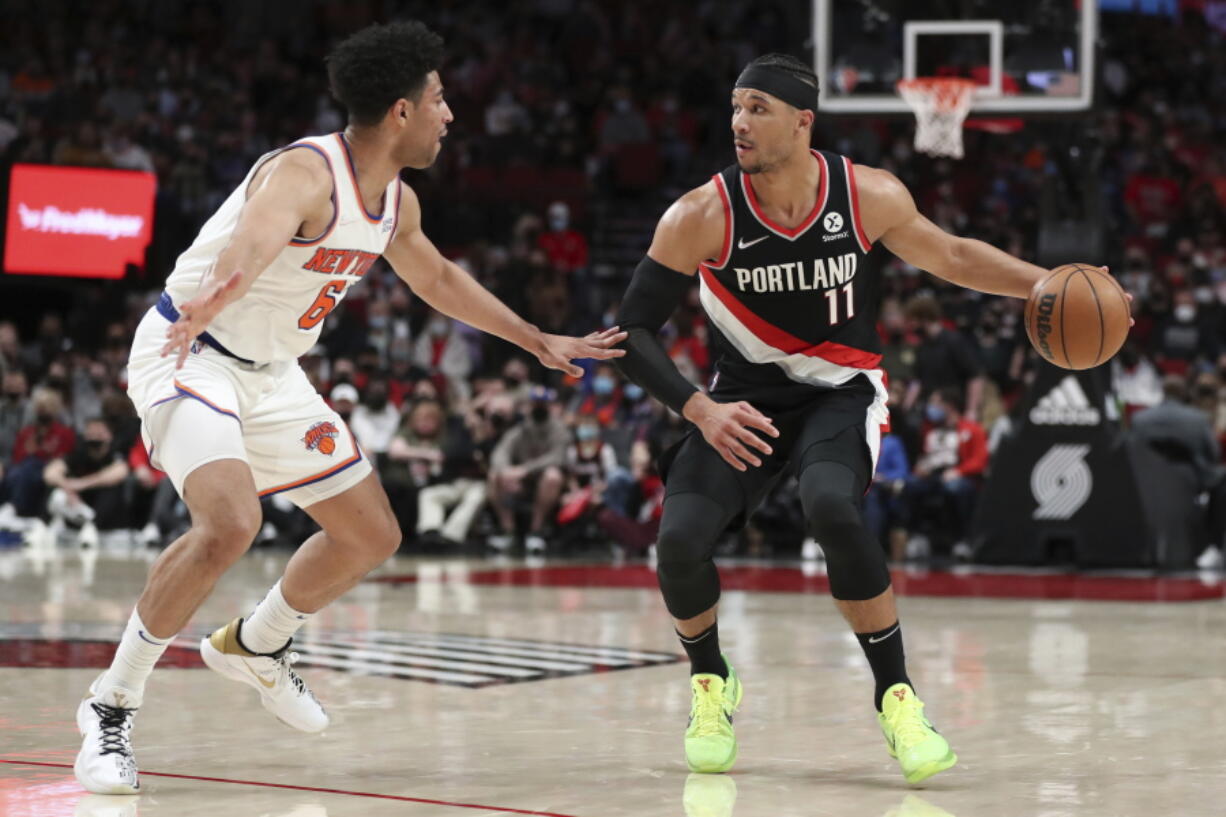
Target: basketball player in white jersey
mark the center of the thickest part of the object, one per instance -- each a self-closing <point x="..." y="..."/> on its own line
<point x="229" y="415"/>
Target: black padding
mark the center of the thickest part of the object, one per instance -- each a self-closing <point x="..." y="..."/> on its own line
<point x="689" y="530"/>
<point x="830" y="495"/>
<point x="654" y="292"/>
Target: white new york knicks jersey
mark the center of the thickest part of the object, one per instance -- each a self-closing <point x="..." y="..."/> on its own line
<point x="282" y="314"/>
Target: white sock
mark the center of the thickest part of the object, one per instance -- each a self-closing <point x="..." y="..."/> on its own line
<point x="138" y="652"/>
<point x="273" y="623"/>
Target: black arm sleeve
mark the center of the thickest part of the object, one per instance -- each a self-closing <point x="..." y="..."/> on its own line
<point x="654" y="292"/>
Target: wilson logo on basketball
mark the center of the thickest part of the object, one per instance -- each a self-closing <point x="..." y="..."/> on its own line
<point x="321" y="437"/>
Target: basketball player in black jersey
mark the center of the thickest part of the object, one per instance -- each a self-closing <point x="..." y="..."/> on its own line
<point x="781" y="242"/>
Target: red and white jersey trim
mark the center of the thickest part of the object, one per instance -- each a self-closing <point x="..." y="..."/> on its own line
<point x="823" y="195"/>
<point x="826" y="364"/>
<point x="853" y="196"/>
<point x="729" y="223"/>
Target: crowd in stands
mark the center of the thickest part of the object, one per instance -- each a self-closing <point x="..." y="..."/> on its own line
<point x="560" y="103"/>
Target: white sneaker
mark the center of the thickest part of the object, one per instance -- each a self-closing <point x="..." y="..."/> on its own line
<point x="149" y="536"/>
<point x="282" y="692"/>
<point x="918" y="548"/>
<point x="1211" y="559"/>
<point x="811" y="551"/>
<point x="962" y="552"/>
<point x="88" y="536"/>
<point x="105" y="764"/>
<point x="501" y="541"/>
<point x="534" y="544"/>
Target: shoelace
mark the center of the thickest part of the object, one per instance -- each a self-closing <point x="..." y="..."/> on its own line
<point x="115" y="725"/>
<point x="286" y="661"/>
<point x="707" y="714"/>
<point x="909" y="727"/>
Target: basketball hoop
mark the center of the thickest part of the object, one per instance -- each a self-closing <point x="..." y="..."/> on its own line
<point x="941" y="105"/>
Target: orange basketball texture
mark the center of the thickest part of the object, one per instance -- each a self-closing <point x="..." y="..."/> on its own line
<point x="326" y="445"/>
<point x="1077" y="316"/>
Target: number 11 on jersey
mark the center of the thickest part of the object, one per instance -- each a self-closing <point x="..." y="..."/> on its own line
<point x="832" y="300"/>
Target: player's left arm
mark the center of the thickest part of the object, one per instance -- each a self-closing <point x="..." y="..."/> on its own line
<point x="452" y="291"/>
<point x="889" y="214"/>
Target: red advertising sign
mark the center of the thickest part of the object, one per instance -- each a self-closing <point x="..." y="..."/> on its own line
<point x="77" y="220"/>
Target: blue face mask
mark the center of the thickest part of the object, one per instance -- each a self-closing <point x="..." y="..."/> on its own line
<point x="602" y="384"/>
<point x="935" y="414"/>
<point x="587" y="432"/>
<point x="633" y="392"/>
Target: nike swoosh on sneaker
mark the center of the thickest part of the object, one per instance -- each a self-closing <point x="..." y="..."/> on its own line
<point x="872" y="640"/>
<point x="260" y="678"/>
<point x="743" y="244"/>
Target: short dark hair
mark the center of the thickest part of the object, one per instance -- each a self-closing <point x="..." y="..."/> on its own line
<point x="786" y="62"/>
<point x="923" y="308"/>
<point x="1175" y="387"/>
<point x="952" y="397"/>
<point x="369" y="70"/>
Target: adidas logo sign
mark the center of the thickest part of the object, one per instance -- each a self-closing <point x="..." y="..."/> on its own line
<point x="1065" y="405"/>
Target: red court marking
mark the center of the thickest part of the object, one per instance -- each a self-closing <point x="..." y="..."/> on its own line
<point x="401" y="798"/>
<point x="773" y="579"/>
<point x="97" y="654"/>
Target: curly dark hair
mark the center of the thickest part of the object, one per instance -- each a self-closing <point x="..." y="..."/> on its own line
<point x="372" y="68"/>
<point x="786" y="62"/>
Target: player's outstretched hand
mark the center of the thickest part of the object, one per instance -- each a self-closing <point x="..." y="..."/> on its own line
<point x="559" y="350"/>
<point x="195" y="316"/>
<point x="729" y="428"/>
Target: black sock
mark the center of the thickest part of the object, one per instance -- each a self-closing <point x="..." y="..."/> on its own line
<point x="703" y="650"/>
<point x="884" y="652"/>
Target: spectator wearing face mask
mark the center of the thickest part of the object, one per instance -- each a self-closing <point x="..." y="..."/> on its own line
<point x="375" y="419"/>
<point x="1183" y="338"/>
<point x="603" y="399"/>
<point x="37" y="444"/>
<point x="87" y="486"/>
<point x="439" y="348"/>
<point x="591" y="465"/>
<point x="344" y="397"/>
<point x="566" y="248"/>
<point x="953" y="458"/>
<point x="526" y="465"/>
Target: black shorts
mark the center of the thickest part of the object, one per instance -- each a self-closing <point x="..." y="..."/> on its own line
<point x="810" y="432"/>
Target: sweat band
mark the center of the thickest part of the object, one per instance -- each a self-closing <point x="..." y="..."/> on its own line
<point x="780" y="84"/>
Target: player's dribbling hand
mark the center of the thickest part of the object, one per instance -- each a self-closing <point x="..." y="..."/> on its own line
<point x="558" y="351"/>
<point x="728" y="428"/>
<point x="195" y="316"/>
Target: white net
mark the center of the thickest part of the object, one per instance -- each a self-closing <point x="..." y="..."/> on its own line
<point x="941" y="105"/>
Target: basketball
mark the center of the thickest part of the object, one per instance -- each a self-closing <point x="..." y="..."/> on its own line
<point x="1077" y="316"/>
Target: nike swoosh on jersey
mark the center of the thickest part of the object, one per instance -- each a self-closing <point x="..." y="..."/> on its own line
<point x="743" y="244"/>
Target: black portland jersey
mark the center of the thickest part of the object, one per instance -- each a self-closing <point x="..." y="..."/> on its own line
<point x="793" y="310"/>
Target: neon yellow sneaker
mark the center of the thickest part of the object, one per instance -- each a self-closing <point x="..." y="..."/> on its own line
<point x="710" y="745"/>
<point x="909" y="737"/>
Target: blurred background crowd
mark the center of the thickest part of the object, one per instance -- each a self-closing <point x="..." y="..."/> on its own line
<point x="577" y="121"/>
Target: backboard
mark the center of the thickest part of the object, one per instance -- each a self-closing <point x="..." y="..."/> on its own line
<point x="1035" y="56"/>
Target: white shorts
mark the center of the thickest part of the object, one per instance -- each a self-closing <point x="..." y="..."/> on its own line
<point x="216" y="407"/>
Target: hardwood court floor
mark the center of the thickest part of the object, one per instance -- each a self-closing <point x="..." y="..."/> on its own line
<point x="465" y="688"/>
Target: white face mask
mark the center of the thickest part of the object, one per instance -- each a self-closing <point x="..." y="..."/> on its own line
<point x="1185" y="313"/>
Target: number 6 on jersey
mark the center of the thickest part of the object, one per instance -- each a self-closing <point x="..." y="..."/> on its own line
<point x="324" y="303"/>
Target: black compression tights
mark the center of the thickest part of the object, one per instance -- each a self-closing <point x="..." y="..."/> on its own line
<point x="830" y="494"/>
<point x="689" y="529"/>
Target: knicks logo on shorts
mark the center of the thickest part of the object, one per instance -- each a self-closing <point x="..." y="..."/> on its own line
<point x="321" y="437"/>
